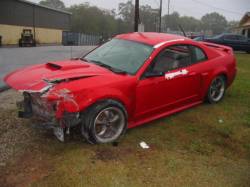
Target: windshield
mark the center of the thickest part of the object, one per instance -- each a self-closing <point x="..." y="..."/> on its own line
<point x="123" y="55"/>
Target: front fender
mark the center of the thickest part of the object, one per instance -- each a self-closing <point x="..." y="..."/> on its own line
<point x="125" y="97"/>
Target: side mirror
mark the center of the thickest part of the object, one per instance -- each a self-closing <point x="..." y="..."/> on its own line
<point x="153" y="74"/>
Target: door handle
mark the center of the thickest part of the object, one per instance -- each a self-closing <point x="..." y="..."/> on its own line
<point x="192" y="73"/>
<point x="204" y="74"/>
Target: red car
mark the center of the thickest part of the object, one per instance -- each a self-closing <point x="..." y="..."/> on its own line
<point x="131" y="80"/>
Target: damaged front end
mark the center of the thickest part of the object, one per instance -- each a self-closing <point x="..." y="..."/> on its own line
<point x="47" y="107"/>
<point x="52" y="92"/>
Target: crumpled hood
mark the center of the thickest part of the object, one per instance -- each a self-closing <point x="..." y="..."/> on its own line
<point x="37" y="77"/>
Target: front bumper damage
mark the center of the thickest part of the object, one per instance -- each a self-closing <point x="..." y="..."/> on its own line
<point x="47" y="114"/>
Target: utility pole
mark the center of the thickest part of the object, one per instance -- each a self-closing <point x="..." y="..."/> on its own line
<point x="160" y="12"/>
<point x="136" y="16"/>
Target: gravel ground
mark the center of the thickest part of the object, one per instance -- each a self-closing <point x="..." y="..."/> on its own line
<point x="15" y="133"/>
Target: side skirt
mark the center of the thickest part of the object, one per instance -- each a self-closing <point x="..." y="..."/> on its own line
<point x="146" y="120"/>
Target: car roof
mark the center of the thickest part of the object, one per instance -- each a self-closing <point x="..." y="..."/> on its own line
<point x="150" y="38"/>
<point x="231" y="34"/>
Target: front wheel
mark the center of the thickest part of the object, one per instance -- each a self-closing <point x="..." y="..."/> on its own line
<point x="217" y="89"/>
<point x="104" y="122"/>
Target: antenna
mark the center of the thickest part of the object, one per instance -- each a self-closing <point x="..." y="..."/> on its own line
<point x="182" y="30"/>
<point x="71" y="52"/>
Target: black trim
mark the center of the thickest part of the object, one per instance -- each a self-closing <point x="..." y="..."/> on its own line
<point x="182" y="44"/>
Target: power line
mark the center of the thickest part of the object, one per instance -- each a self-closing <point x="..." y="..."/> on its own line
<point x="218" y="8"/>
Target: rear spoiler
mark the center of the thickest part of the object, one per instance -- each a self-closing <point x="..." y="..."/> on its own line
<point x="219" y="47"/>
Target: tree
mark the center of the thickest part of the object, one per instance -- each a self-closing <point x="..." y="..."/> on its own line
<point x="148" y="16"/>
<point x="190" y="24"/>
<point x="214" y="22"/>
<point x="57" y="4"/>
<point x="127" y="12"/>
<point x="92" y="20"/>
<point x="172" y="21"/>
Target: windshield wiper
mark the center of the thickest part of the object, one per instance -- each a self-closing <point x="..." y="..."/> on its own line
<point x="86" y="60"/>
<point x="118" y="71"/>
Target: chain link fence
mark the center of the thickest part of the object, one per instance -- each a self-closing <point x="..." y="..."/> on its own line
<point x="76" y="39"/>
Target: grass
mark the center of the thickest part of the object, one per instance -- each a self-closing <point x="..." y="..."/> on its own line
<point x="208" y="145"/>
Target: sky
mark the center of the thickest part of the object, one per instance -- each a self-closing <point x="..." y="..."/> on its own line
<point x="231" y="9"/>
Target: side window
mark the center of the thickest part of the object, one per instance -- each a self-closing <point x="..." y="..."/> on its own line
<point x="241" y="38"/>
<point x="198" y="54"/>
<point x="230" y="37"/>
<point x="171" y="58"/>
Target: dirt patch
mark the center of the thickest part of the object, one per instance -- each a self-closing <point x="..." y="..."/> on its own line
<point x="111" y="153"/>
<point x="106" y="155"/>
<point x="32" y="166"/>
<point x="122" y="152"/>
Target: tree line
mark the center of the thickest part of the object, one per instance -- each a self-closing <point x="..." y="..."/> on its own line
<point x="94" y="20"/>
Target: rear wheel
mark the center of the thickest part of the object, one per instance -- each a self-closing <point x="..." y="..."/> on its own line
<point x="217" y="89"/>
<point x="104" y="122"/>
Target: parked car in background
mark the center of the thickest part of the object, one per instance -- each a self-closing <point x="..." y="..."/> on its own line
<point x="237" y="42"/>
<point x="126" y="82"/>
<point x="192" y="36"/>
<point x="200" y="38"/>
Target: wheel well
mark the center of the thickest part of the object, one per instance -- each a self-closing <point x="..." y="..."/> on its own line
<point x="92" y="110"/>
<point x="224" y="76"/>
<point x="110" y="100"/>
<point x="220" y="74"/>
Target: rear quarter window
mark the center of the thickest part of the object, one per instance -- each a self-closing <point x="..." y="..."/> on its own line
<point x="199" y="54"/>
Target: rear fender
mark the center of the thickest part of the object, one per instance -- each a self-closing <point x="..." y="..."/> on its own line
<point x="215" y="73"/>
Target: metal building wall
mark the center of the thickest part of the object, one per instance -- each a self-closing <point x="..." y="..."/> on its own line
<point x="21" y="13"/>
<point x="46" y="24"/>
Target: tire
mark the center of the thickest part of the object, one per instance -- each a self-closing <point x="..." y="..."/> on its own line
<point x="20" y="43"/>
<point x="217" y="89"/>
<point x="104" y="122"/>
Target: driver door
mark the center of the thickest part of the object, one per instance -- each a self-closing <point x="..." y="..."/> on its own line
<point x="169" y="83"/>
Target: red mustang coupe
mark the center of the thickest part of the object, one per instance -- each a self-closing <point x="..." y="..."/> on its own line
<point x="129" y="81"/>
